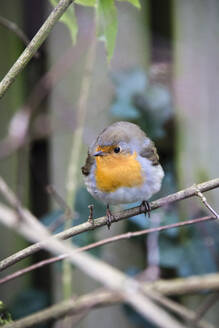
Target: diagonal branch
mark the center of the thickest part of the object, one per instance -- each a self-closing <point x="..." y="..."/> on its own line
<point x="111" y="277"/>
<point x="183" y="194"/>
<point x="33" y="46"/>
<point x="106" y="241"/>
<point x="183" y="312"/>
<point x="96" y="299"/>
<point x="129" y="289"/>
<point x="205" y="307"/>
<point x="22" y="213"/>
<point x="205" y="202"/>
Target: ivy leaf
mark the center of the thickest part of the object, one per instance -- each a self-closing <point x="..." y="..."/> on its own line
<point x="135" y="3"/>
<point x="107" y="24"/>
<point x="86" y="3"/>
<point x="69" y="19"/>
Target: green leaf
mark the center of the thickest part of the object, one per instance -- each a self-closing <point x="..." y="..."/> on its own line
<point x="5" y="316"/>
<point x="135" y="3"/>
<point x="69" y="19"/>
<point x="87" y="3"/>
<point x="107" y="24"/>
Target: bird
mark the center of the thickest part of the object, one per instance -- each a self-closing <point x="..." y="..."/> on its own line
<point x="122" y="166"/>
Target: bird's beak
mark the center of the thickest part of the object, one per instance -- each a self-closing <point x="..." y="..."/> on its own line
<point x="99" y="153"/>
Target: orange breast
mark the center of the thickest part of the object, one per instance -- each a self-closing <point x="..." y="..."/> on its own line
<point x="117" y="170"/>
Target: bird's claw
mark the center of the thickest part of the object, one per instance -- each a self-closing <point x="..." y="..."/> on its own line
<point x="146" y="208"/>
<point x="109" y="217"/>
<point x="91" y="212"/>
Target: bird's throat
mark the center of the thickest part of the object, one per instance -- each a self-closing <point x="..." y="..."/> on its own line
<point x="117" y="170"/>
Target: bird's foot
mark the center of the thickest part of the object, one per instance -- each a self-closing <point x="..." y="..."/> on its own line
<point x="109" y="217"/>
<point x="146" y="208"/>
<point x="91" y="214"/>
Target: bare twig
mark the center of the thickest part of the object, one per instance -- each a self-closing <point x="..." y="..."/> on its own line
<point x="23" y="213"/>
<point x="137" y="301"/>
<point x="205" y="202"/>
<point x="30" y="268"/>
<point x="69" y="307"/>
<point x="33" y="46"/>
<point x="16" y="30"/>
<point x="193" y="284"/>
<point x="9" y="195"/>
<point x="104" y="242"/>
<point x="101" y="298"/>
<point x="205" y="306"/>
<point x="133" y="302"/>
<point x="179" y="309"/>
<point x="112" y="278"/>
<point x="183" y="194"/>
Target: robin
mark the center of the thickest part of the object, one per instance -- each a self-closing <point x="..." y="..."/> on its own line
<point x="122" y="166"/>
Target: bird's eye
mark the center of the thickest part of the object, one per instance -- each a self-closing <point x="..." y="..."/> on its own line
<point x="116" y="150"/>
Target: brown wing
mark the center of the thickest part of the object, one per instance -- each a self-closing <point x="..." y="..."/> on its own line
<point x="87" y="167"/>
<point x="150" y="152"/>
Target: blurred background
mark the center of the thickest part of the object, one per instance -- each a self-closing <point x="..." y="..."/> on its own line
<point x="164" y="76"/>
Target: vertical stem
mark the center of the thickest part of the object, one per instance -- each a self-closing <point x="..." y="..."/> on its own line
<point x="71" y="182"/>
<point x="71" y="179"/>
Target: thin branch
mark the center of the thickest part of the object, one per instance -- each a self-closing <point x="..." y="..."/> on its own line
<point x="97" y="299"/>
<point x="69" y="307"/>
<point x="15" y="29"/>
<point x="177" y="286"/>
<point x="205" y="202"/>
<point x="179" y="309"/>
<point x="205" y="306"/>
<point x="137" y="301"/>
<point x="104" y="242"/>
<point x="30" y="268"/>
<point x="23" y="213"/>
<point x="109" y="276"/>
<point x="112" y="278"/>
<point x="183" y="194"/>
<point x="33" y="46"/>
